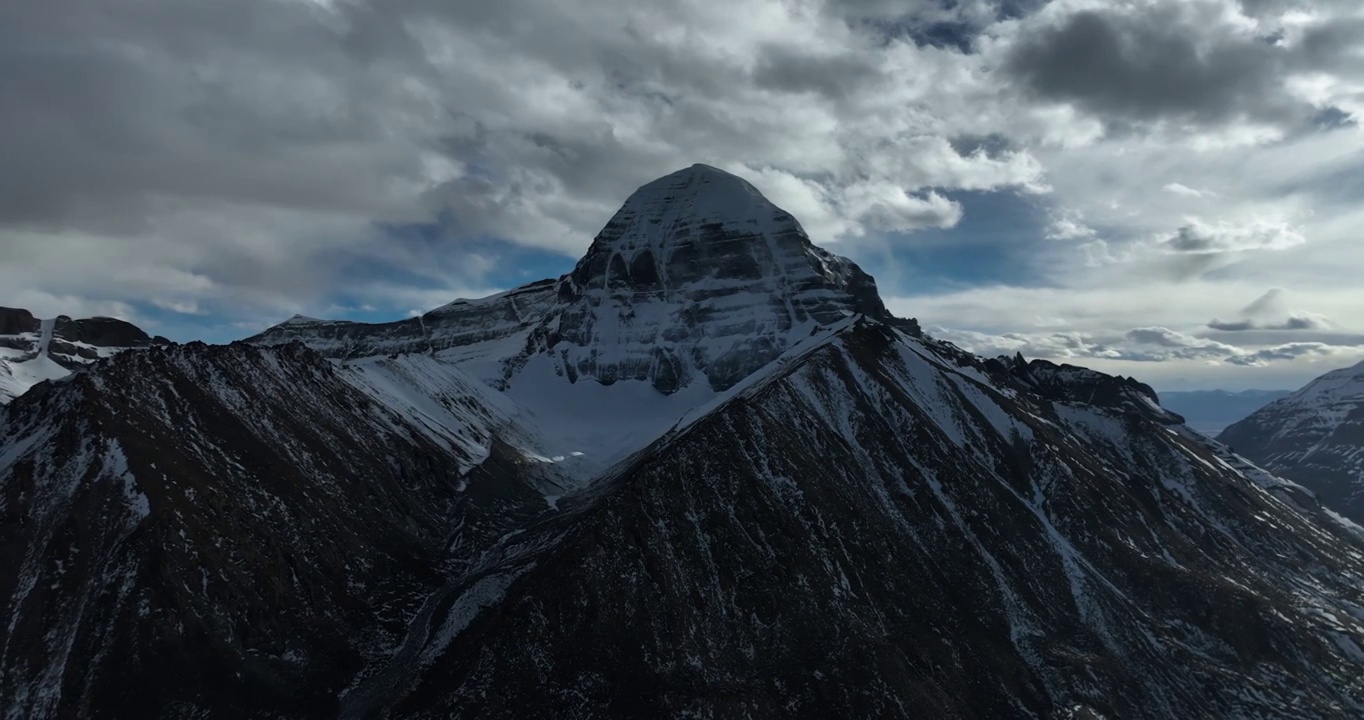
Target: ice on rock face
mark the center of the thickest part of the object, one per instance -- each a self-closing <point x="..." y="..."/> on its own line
<point x="698" y="276"/>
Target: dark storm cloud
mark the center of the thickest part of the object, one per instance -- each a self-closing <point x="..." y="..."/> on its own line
<point x="1191" y="240"/>
<point x="1283" y="353"/>
<point x="106" y="106"/>
<point x="1331" y="118"/>
<point x="1292" y="323"/>
<point x="834" y="77"/>
<point x="1197" y="238"/>
<point x="1255" y="8"/>
<point x="199" y="153"/>
<point x="1154" y="65"/>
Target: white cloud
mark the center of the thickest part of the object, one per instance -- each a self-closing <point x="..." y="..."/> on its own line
<point x="1185" y="190"/>
<point x="1068" y="225"/>
<point x="1155" y="331"/>
<point x="248" y="165"/>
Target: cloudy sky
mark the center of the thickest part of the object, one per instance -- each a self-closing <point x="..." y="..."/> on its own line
<point x="1171" y="189"/>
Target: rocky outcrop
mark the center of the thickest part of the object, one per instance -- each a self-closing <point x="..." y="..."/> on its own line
<point x="79" y="342"/>
<point x="1077" y="384"/>
<point x="16" y="321"/>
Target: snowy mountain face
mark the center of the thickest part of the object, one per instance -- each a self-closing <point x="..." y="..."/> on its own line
<point x="1314" y="436"/>
<point x="698" y="278"/>
<point x="721" y="483"/>
<point x="33" y="350"/>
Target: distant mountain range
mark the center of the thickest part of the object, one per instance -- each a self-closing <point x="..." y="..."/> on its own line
<point x="1314" y="436"/>
<point x="704" y="474"/>
<point x="33" y="349"/>
<point x="1211" y="411"/>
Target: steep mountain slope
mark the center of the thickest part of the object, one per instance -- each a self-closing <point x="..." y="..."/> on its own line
<point x="696" y="282"/>
<point x="235" y="529"/>
<point x="1314" y="436"/>
<point x="886" y="528"/>
<point x="33" y="350"/>
<point x="1212" y="411"/>
<point x="704" y="474"/>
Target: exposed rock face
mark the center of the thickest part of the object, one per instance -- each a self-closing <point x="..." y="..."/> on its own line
<point x="15" y="321"/>
<point x="233" y="529"/>
<point x="33" y="350"/>
<point x="1314" y="436"/>
<point x="100" y="332"/>
<point x="878" y="532"/>
<point x="459" y="324"/>
<point x="870" y="523"/>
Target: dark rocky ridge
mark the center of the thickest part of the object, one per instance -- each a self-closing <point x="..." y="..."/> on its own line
<point x="1077" y="384"/>
<point x="461" y="323"/>
<point x="225" y="528"/>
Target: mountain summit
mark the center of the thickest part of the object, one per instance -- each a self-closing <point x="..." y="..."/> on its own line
<point x="698" y="276"/>
<point x="704" y="474"/>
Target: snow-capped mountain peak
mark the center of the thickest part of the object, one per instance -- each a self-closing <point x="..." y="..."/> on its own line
<point x="1314" y="436"/>
<point x="667" y="208"/>
<point x="698" y="277"/>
